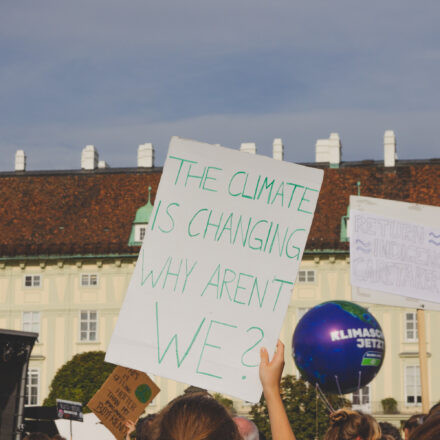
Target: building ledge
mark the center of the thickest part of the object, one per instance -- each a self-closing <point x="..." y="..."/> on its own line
<point x="411" y="354"/>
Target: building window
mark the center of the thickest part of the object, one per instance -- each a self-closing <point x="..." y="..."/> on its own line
<point x="411" y="334"/>
<point x="140" y="231"/>
<point x="361" y="399"/>
<point x="89" y="326"/>
<point x="89" y="279"/>
<point x="32" y="387"/>
<point x="413" y="390"/>
<point x="306" y="276"/>
<point x="32" y="281"/>
<point x="31" y="322"/>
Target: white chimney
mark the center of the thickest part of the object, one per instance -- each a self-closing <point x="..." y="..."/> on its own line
<point x="389" y="149"/>
<point x="278" y="149"/>
<point x="329" y="150"/>
<point x="248" y="147"/>
<point x="20" y="161"/>
<point x="89" y="158"/>
<point x="146" y="155"/>
<point x="103" y="164"/>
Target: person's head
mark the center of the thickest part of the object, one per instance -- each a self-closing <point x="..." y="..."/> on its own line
<point x="390" y="430"/>
<point x="145" y="428"/>
<point x="195" y="416"/>
<point x="247" y="428"/>
<point x="37" y="436"/>
<point x="428" y="430"/>
<point x="346" y="424"/>
<point x="412" y="423"/>
<point x="435" y="410"/>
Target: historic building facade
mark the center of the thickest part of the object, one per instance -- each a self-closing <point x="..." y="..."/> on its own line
<point x="69" y="242"/>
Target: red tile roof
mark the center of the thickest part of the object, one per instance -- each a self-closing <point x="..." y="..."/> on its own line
<point x="408" y="182"/>
<point x="91" y="213"/>
<point x="71" y="213"/>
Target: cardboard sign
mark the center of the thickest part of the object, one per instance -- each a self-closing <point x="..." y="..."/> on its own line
<point x="216" y="271"/>
<point x="123" y="396"/>
<point x="395" y="248"/>
<point x="66" y="409"/>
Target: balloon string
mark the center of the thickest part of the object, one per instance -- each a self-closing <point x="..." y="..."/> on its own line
<point x="359" y="380"/>
<point x="316" y="417"/>
<point x="339" y="388"/>
<point x="324" y="399"/>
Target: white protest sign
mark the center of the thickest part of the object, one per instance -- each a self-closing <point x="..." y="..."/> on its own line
<point x="395" y="252"/>
<point x="217" y="267"/>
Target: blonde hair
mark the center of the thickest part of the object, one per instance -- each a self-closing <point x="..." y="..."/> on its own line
<point x="346" y="424"/>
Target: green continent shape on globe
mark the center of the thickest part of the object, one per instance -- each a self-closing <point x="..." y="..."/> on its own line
<point x="356" y="311"/>
<point x="143" y="393"/>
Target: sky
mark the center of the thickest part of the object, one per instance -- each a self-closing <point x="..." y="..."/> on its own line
<point x="117" y="74"/>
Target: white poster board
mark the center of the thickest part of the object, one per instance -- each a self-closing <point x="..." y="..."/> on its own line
<point x="91" y="428"/>
<point x="216" y="271"/>
<point x="395" y="253"/>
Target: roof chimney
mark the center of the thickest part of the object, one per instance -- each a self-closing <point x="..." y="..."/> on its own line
<point x="89" y="158"/>
<point x="248" y="147"/>
<point x="329" y="150"/>
<point x="20" y="161"/>
<point x="278" y="149"/>
<point x="103" y="164"/>
<point x="389" y="149"/>
<point x="146" y="155"/>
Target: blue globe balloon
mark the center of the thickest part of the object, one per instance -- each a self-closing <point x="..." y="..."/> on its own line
<point x="338" y="345"/>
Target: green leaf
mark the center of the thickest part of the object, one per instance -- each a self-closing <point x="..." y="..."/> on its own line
<point x="308" y="415"/>
<point x="79" y="378"/>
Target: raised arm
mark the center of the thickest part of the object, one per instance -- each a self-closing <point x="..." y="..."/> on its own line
<point x="270" y="376"/>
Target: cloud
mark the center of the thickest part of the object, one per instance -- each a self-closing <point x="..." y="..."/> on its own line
<point x="243" y="24"/>
<point x="361" y="134"/>
<point x="118" y="74"/>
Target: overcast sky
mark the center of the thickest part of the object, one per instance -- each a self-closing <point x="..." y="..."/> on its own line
<point x="117" y="74"/>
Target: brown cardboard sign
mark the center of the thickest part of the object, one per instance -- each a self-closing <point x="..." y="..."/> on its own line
<point x="123" y="396"/>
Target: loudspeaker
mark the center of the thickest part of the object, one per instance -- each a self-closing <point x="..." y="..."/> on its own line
<point x="15" y="350"/>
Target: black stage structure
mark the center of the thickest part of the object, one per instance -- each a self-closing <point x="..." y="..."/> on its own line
<point x="15" y="350"/>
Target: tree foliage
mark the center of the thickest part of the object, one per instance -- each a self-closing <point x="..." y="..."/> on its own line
<point x="79" y="378"/>
<point x="226" y="402"/>
<point x="308" y="415"/>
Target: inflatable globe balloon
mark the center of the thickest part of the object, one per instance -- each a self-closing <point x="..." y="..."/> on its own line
<point x="339" y="346"/>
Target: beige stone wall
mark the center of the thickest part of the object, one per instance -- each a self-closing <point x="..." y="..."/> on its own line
<point x="333" y="282"/>
<point x="60" y="299"/>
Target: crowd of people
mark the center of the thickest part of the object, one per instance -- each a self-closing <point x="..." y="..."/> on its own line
<point x="198" y="416"/>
